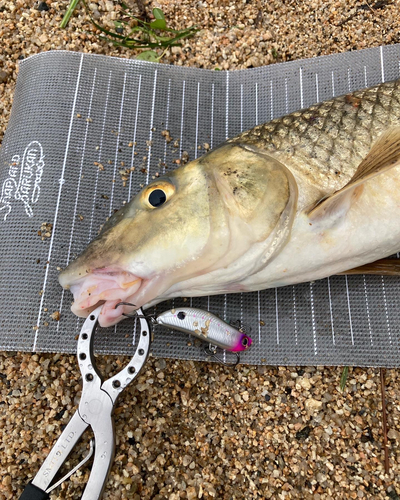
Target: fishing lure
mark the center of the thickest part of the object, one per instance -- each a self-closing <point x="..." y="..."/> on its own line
<point x="205" y="326"/>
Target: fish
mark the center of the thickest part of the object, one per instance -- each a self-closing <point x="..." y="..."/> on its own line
<point x="206" y="327"/>
<point x="300" y="198"/>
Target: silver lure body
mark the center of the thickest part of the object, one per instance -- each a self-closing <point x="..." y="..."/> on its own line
<point x="205" y="326"/>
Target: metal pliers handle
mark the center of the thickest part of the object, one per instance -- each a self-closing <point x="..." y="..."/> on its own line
<point x="95" y="410"/>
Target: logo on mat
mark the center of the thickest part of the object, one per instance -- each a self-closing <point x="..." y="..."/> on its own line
<point x="23" y="181"/>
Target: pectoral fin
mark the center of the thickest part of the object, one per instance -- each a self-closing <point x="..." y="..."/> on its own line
<point x="384" y="155"/>
<point x="385" y="267"/>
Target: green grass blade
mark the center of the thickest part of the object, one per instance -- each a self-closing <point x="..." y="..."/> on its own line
<point x="71" y="7"/>
<point x="343" y="378"/>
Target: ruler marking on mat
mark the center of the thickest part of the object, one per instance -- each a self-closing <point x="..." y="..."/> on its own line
<point x="258" y="293"/>
<point x="259" y="317"/>
<point x="348" y="305"/>
<point x="277" y="316"/>
<point x="116" y="155"/>
<point x="347" y="283"/>
<point x="78" y="189"/>
<point x="368" y="315"/>
<point x="386" y="310"/>
<point x="331" y="312"/>
<point x="117" y="145"/>
<point x="182" y="117"/>
<point x="151" y="125"/>
<point x="301" y="89"/>
<point x="314" y="327"/>
<point x="225" y="310"/>
<point x="99" y="157"/>
<point x="62" y="180"/>
<point x="256" y="103"/>
<point x="241" y="130"/>
<point x="197" y="120"/>
<point x="134" y="135"/>
<point x="211" y="146"/>
<point x="241" y="107"/>
<point x="349" y="79"/>
<point x="196" y="143"/>
<point x="295" y="315"/>
<point x="382" y="66"/>
<point x="227" y="107"/>
<point x="212" y="116"/>
<point x="286" y="98"/>
<point x="166" y="123"/>
<point x="226" y="136"/>
<point x="272" y="100"/>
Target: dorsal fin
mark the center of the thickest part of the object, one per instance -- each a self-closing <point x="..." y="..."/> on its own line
<point x="384" y="155"/>
<point x="385" y="267"/>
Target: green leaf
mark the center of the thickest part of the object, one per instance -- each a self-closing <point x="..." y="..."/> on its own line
<point x="343" y="378"/>
<point x="217" y="69"/>
<point x="118" y="24"/>
<point x="158" y="14"/>
<point x="148" y="55"/>
<point x="158" y="24"/>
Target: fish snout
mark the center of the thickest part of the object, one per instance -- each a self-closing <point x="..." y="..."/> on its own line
<point x="104" y="286"/>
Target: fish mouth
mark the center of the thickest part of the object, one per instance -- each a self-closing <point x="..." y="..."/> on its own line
<point x="109" y="287"/>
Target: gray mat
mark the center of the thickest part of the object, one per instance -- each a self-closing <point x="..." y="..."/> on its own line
<point x="47" y="174"/>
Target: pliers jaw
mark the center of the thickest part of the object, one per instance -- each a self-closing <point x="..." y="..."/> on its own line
<point x="95" y="410"/>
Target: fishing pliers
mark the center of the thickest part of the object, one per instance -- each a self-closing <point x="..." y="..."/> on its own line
<point x="95" y="411"/>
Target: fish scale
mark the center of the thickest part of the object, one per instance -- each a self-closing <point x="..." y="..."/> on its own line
<point x="326" y="142"/>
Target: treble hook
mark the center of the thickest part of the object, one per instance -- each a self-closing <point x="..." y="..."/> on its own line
<point x="211" y="350"/>
<point x="134" y="314"/>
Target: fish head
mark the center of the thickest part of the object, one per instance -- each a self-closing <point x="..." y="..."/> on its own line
<point x="199" y="218"/>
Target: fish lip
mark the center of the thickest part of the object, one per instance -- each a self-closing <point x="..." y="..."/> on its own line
<point x="102" y="286"/>
<point x="109" y="285"/>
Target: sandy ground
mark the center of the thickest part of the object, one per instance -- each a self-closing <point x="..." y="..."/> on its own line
<point x="197" y="430"/>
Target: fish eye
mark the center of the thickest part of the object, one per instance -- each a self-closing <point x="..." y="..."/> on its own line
<point x="181" y="315"/>
<point x="157" y="198"/>
<point x="245" y="342"/>
<point x="157" y="193"/>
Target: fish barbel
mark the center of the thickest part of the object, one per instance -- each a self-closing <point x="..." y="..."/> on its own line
<point x="300" y="198"/>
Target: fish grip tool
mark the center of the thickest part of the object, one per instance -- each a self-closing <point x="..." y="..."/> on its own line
<point x="95" y="410"/>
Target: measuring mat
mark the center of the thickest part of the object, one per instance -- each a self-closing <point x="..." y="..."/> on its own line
<point x="80" y="121"/>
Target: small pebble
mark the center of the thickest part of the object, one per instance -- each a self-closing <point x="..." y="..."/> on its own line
<point x="3" y="76"/>
<point x="43" y="7"/>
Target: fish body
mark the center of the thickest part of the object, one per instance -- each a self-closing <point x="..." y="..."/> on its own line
<point x="305" y="196"/>
<point x="205" y="326"/>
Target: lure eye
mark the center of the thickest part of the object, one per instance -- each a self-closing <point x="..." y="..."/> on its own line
<point x="245" y="342"/>
<point x="181" y="315"/>
<point x="157" y="198"/>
